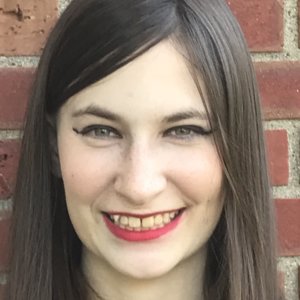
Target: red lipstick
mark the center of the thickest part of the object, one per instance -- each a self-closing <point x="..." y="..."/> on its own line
<point x="140" y="236"/>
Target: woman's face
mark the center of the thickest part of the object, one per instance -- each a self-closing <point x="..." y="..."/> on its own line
<point x="141" y="173"/>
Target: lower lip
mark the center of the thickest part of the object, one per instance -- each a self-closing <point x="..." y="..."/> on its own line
<point x="140" y="236"/>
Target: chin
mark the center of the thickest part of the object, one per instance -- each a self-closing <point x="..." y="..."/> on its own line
<point x="145" y="271"/>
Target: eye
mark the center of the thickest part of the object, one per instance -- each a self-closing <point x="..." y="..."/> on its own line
<point x="187" y="132"/>
<point x="98" y="131"/>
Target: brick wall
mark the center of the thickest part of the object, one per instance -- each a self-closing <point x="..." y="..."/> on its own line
<point x="272" y="29"/>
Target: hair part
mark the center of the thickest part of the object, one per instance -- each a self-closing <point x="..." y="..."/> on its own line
<point x="241" y="263"/>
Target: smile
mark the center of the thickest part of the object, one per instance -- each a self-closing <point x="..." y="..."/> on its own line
<point x="142" y="228"/>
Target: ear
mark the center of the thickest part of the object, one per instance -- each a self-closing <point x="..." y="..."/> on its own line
<point x="52" y="135"/>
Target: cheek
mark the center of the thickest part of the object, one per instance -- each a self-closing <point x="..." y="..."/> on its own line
<point x="85" y="173"/>
<point x="201" y="183"/>
<point x="199" y="175"/>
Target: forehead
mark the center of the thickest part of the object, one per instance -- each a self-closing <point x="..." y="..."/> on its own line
<point x="158" y="79"/>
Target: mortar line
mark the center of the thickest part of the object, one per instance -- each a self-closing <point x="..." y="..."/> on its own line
<point x="3" y="278"/>
<point x="6" y="207"/>
<point x="62" y="5"/>
<point x="290" y="26"/>
<point x="289" y="265"/>
<point x="11" y="134"/>
<point x="294" y="156"/>
<point x="19" y="61"/>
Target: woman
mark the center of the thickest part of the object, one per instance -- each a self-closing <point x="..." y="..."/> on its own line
<point x="143" y="171"/>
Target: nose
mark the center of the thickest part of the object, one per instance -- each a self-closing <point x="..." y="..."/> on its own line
<point x="141" y="176"/>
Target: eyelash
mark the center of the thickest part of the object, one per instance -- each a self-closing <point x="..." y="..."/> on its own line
<point x="191" y="129"/>
<point x="190" y="132"/>
<point x="86" y="131"/>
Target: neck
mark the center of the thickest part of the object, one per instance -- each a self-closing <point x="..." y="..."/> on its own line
<point x="182" y="282"/>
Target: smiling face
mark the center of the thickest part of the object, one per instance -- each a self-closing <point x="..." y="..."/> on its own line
<point x="141" y="173"/>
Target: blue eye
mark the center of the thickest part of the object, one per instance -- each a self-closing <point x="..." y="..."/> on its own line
<point x="187" y="131"/>
<point x="98" y="131"/>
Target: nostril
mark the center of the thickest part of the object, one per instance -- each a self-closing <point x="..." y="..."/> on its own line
<point x="141" y="188"/>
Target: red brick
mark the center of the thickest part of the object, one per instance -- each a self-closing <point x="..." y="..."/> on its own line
<point x="25" y="24"/>
<point x="277" y="153"/>
<point x="15" y="86"/>
<point x="9" y="156"/>
<point x="279" y="84"/>
<point x="262" y="23"/>
<point x="4" y="243"/>
<point x="288" y="226"/>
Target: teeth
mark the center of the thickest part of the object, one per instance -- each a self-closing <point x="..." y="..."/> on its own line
<point x="158" y="220"/>
<point x="124" y="220"/>
<point x="116" y="218"/>
<point x="140" y="224"/>
<point x="148" y="222"/>
<point x="134" y="222"/>
<point x="167" y="218"/>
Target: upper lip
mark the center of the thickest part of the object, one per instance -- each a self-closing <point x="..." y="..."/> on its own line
<point x="130" y="214"/>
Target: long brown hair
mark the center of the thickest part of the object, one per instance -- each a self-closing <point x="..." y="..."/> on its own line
<point x="92" y="39"/>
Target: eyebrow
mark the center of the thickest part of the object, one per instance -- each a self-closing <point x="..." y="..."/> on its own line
<point x="189" y="114"/>
<point x="98" y="112"/>
<point x="108" y="115"/>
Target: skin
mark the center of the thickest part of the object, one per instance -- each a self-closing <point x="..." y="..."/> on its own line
<point x="141" y="164"/>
